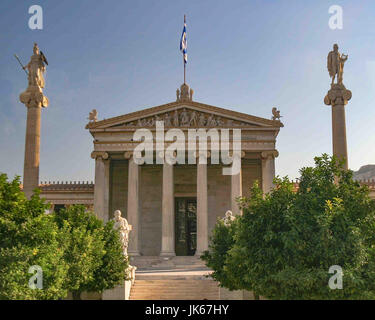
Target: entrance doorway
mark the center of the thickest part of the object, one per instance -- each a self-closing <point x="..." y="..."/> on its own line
<point x="185" y="226"/>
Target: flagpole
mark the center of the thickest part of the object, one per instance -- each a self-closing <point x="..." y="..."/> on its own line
<point x="183" y="58"/>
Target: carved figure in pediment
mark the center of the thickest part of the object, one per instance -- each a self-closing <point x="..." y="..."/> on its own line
<point x="230" y="123"/>
<point x="184" y="118"/>
<point x="167" y="120"/>
<point x="151" y="122"/>
<point x="202" y="120"/>
<point x="211" y="121"/>
<point x="193" y="118"/>
<point x="141" y="123"/>
<point x="219" y="122"/>
<point x="175" y="119"/>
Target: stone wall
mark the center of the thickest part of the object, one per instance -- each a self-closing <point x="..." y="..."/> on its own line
<point x="151" y="179"/>
<point x="251" y="171"/>
<point x="118" y="181"/>
<point x="218" y="194"/>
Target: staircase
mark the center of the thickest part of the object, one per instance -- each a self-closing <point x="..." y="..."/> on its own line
<point x="173" y="278"/>
<point x="173" y="289"/>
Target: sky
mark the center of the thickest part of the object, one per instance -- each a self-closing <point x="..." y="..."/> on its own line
<point x="244" y="55"/>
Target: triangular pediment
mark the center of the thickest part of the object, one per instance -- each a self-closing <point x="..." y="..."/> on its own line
<point x="184" y="115"/>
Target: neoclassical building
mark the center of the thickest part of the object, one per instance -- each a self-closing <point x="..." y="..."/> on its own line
<point x="173" y="208"/>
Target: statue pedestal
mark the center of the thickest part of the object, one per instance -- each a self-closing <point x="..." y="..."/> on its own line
<point x="34" y="97"/>
<point x="121" y="292"/>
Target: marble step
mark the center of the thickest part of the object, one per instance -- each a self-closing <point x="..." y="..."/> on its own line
<point x="174" y="290"/>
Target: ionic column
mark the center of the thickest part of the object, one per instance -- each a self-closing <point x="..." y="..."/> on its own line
<point x="202" y="208"/>
<point x="32" y="150"/>
<point x="133" y="207"/>
<point x="268" y="169"/>
<point x="338" y="97"/>
<point x="236" y="190"/>
<point x="168" y="220"/>
<point x="101" y="189"/>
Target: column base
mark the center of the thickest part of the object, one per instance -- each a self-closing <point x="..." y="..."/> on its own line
<point x="167" y="254"/>
<point x="134" y="253"/>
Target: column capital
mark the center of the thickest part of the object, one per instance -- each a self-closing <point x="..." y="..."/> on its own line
<point x="270" y="154"/>
<point x="337" y="95"/>
<point x="128" y="154"/>
<point x="99" y="154"/>
<point x="33" y="97"/>
<point x="243" y="153"/>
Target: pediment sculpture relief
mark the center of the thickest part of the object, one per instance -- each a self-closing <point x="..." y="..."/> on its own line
<point x="186" y="118"/>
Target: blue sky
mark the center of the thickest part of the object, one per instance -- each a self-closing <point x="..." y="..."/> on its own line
<point x="123" y="56"/>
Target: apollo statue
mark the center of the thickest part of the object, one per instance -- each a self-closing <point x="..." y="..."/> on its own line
<point x="335" y="64"/>
<point x="121" y="224"/>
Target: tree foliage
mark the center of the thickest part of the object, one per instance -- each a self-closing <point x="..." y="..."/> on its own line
<point x="94" y="252"/>
<point x="74" y="249"/>
<point x="285" y="242"/>
<point x="28" y="237"/>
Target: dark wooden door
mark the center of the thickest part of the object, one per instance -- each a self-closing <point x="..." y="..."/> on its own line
<point x="185" y="226"/>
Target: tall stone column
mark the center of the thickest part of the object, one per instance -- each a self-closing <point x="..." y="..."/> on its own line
<point x="101" y="189"/>
<point x="32" y="150"/>
<point x="337" y="97"/>
<point x="236" y="191"/>
<point x="168" y="220"/>
<point x="268" y="169"/>
<point x="34" y="100"/>
<point x="202" y="209"/>
<point x="133" y="207"/>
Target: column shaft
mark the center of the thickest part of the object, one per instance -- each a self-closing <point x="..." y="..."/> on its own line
<point x="202" y="209"/>
<point x="268" y="172"/>
<point x="32" y="151"/>
<point x="168" y="219"/>
<point x="133" y="208"/>
<point x="340" y="149"/>
<point x="101" y="191"/>
<point x="236" y="191"/>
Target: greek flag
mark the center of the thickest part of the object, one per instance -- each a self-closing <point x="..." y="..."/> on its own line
<point x="183" y="43"/>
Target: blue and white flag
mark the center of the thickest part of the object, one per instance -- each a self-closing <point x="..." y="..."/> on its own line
<point x="183" y="43"/>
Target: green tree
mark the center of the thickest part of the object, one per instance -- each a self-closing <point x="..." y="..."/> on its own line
<point x="75" y="250"/>
<point x="28" y="237"/>
<point x="93" y="253"/>
<point x="285" y="242"/>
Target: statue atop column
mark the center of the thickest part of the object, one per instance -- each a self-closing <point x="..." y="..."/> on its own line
<point x="33" y="96"/>
<point x="337" y="97"/>
<point x="34" y="100"/>
<point x="335" y="64"/>
<point x="121" y="224"/>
